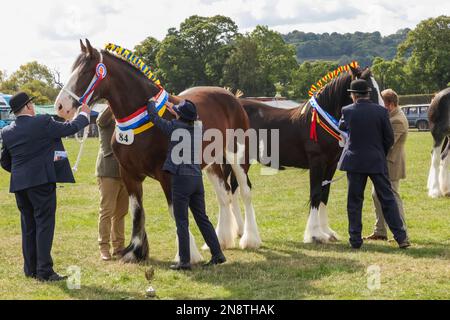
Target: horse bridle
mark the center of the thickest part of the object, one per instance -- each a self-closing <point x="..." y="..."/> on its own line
<point x="99" y="76"/>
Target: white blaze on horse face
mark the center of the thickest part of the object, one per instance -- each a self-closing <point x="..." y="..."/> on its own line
<point x="377" y="87"/>
<point x="64" y="104"/>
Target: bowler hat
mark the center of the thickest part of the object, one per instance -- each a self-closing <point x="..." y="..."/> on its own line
<point x="19" y="100"/>
<point x="186" y="110"/>
<point x="359" y="86"/>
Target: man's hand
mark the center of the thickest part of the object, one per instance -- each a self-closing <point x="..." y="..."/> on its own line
<point x="151" y="106"/>
<point x="85" y="108"/>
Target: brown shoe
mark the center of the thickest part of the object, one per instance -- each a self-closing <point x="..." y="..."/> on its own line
<point x="376" y="237"/>
<point x="405" y="244"/>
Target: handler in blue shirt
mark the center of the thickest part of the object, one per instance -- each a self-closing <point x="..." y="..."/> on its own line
<point x="34" y="154"/>
<point x="187" y="184"/>
<point x="370" y="139"/>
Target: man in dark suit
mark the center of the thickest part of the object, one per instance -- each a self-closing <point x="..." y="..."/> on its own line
<point x="34" y="154"/>
<point x="370" y="139"/>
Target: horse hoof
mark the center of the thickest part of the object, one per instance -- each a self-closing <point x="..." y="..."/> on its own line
<point x="333" y="238"/>
<point x="249" y="242"/>
<point x="434" y="194"/>
<point x="317" y="240"/>
<point x="129" y="258"/>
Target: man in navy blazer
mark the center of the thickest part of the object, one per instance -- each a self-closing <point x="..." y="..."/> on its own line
<point x="33" y="153"/>
<point x="370" y="139"/>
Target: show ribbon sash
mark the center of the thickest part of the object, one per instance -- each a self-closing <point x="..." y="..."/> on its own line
<point x="139" y="121"/>
<point x="330" y="124"/>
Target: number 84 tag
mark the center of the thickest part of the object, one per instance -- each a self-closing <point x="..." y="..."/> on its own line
<point x="125" y="137"/>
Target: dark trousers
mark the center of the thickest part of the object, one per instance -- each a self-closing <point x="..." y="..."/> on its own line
<point x="356" y="186"/>
<point x="37" y="206"/>
<point x="188" y="192"/>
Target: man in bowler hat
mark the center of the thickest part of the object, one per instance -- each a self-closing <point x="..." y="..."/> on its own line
<point x="33" y="153"/>
<point x="370" y="139"/>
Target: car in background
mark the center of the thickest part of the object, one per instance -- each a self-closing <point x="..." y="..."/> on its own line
<point x="5" y="116"/>
<point x="417" y="115"/>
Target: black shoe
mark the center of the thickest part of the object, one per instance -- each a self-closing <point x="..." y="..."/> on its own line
<point x="215" y="261"/>
<point x="181" y="266"/>
<point x="404" y="244"/>
<point x="31" y="276"/>
<point x="356" y="246"/>
<point x="52" y="278"/>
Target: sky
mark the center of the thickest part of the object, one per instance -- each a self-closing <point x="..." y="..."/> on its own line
<point x="48" y="31"/>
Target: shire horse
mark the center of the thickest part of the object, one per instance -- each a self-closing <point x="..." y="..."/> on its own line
<point x="127" y="90"/>
<point x="439" y="118"/>
<point x="298" y="150"/>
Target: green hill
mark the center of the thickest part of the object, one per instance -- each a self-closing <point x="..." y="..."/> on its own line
<point x="343" y="48"/>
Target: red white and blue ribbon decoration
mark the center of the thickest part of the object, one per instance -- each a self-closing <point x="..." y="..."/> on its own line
<point x="334" y="131"/>
<point x="100" y="74"/>
<point x="139" y="121"/>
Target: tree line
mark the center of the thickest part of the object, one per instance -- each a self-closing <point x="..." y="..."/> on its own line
<point x="210" y="51"/>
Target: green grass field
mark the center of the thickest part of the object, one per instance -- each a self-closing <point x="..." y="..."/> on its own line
<point x="283" y="268"/>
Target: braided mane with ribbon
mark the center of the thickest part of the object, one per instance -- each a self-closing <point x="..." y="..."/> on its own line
<point x="134" y="60"/>
<point x="318" y="86"/>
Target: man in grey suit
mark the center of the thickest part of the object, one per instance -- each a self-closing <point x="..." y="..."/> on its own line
<point x="33" y="153"/>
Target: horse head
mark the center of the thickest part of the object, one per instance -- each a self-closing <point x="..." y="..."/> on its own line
<point x="375" y="94"/>
<point x="84" y="71"/>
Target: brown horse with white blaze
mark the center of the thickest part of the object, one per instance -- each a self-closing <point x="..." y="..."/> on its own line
<point x="127" y="90"/>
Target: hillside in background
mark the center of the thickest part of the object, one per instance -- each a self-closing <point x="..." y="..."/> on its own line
<point x="343" y="48"/>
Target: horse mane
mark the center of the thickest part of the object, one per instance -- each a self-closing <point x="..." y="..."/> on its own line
<point x="132" y="70"/>
<point x="326" y="97"/>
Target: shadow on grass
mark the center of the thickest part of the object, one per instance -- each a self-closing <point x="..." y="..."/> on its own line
<point x="98" y="293"/>
<point x="419" y="249"/>
<point x="285" y="274"/>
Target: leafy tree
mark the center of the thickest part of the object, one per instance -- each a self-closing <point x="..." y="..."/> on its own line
<point x="276" y="57"/>
<point x="44" y="94"/>
<point x="363" y="47"/>
<point x="429" y="46"/>
<point x="392" y="74"/>
<point x="194" y="55"/>
<point x="147" y="50"/>
<point x="306" y="74"/>
<point x="35" y="79"/>
<point x="259" y="63"/>
<point x="243" y="69"/>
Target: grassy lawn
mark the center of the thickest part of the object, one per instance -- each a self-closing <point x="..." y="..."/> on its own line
<point x="284" y="268"/>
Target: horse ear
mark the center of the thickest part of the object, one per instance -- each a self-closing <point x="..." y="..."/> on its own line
<point x="356" y="72"/>
<point x="90" y="50"/>
<point x="83" y="47"/>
